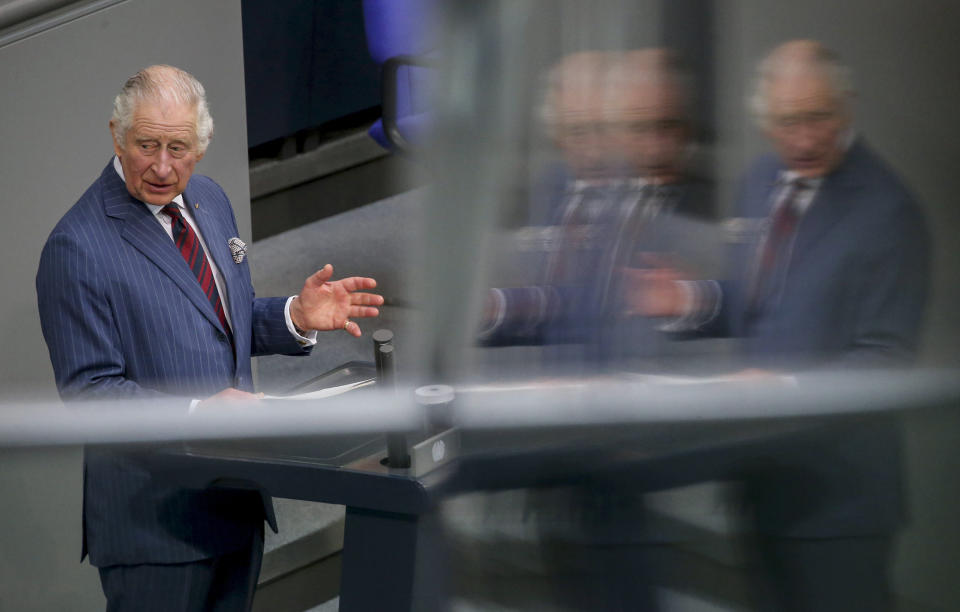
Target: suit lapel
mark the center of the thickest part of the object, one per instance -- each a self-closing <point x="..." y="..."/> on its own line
<point x="212" y="232"/>
<point x="212" y="228"/>
<point x="144" y="233"/>
<point x="826" y="210"/>
<point x="832" y="202"/>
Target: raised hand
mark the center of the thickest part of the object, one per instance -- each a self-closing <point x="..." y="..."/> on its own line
<point x="653" y="293"/>
<point x="229" y="397"/>
<point x="327" y="305"/>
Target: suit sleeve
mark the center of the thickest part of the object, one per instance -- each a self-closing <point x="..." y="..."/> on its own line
<point x="79" y="327"/>
<point x="538" y="315"/>
<point x="891" y="294"/>
<point x="269" y="333"/>
<point x="724" y="298"/>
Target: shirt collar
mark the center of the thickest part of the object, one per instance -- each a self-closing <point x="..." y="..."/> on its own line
<point x="154" y="208"/>
<point x="581" y="185"/>
<point x="789" y="176"/>
<point x="802" y="200"/>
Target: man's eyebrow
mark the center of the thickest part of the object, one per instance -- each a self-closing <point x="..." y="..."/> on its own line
<point x="185" y="139"/>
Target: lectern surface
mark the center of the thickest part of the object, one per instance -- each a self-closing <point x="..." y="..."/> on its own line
<point x="331" y="451"/>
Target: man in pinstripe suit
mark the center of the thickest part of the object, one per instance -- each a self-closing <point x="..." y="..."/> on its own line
<point x="129" y="310"/>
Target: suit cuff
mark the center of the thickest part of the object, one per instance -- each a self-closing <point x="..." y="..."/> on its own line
<point x="702" y="300"/>
<point x="521" y="309"/>
<point x="307" y="339"/>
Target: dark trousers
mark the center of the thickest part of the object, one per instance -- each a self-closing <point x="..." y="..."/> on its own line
<point x="221" y="584"/>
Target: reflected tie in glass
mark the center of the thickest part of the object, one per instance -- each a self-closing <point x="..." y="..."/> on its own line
<point x="777" y="244"/>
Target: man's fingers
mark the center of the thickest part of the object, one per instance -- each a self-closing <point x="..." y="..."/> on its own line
<point x="352" y="328"/>
<point x="366" y="299"/>
<point x="350" y="284"/>
<point x="357" y="283"/>
<point x="358" y="312"/>
<point x="231" y="394"/>
<point x="321" y="276"/>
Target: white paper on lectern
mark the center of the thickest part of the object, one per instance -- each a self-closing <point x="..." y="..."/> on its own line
<point x="322" y="393"/>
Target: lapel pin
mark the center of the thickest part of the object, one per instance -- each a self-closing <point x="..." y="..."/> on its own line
<point x="197" y="205"/>
<point x="238" y="249"/>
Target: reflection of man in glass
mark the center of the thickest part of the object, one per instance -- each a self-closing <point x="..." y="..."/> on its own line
<point x="624" y="194"/>
<point x="832" y="263"/>
<point x="620" y="123"/>
<point x="831" y="274"/>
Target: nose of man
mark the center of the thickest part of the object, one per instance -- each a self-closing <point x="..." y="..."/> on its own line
<point x="163" y="165"/>
<point x="805" y="142"/>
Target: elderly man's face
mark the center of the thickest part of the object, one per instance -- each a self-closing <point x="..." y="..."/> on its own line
<point x="651" y="134"/>
<point x="626" y="130"/>
<point x="159" y="151"/>
<point x="584" y="137"/>
<point x="806" y="122"/>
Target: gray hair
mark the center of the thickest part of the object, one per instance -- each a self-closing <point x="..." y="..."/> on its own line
<point x="659" y="65"/>
<point x="800" y="55"/>
<point x="584" y="70"/>
<point x="605" y="72"/>
<point x="162" y="83"/>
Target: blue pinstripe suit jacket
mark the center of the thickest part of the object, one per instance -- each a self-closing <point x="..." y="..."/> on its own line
<point x="123" y="316"/>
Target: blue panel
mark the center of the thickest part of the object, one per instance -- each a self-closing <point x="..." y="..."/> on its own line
<point x="305" y="63"/>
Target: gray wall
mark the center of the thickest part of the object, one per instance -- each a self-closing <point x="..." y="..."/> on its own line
<point x="56" y="91"/>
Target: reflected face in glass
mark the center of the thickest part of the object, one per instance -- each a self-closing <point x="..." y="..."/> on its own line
<point x="806" y="122"/>
<point x="632" y="131"/>
<point x="159" y="151"/>
<point x="584" y="137"/>
<point x="649" y="130"/>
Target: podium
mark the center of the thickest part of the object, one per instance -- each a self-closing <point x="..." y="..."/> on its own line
<point x="393" y="556"/>
<point x="390" y="514"/>
<point x="391" y="528"/>
<point x="393" y="551"/>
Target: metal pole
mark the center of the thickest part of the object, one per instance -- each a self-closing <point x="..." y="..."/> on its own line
<point x="397" y="454"/>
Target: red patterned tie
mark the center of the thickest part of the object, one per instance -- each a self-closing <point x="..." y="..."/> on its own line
<point x="778" y="241"/>
<point x="189" y="245"/>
